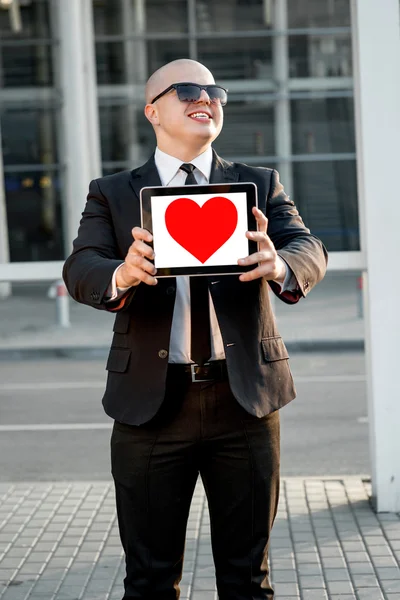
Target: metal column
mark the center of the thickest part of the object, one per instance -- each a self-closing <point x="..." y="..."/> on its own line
<point x="283" y="136"/>
<point x="5" y="287"/>
<point x="377" y="102"/>
<point x="77" y="79"/>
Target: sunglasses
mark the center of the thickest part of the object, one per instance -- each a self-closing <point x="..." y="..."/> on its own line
<point x="191" y="92"/>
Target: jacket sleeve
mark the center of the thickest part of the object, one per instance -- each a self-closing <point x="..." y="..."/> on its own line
<point x="89" y="269"/>
<point x="304" y="253"/>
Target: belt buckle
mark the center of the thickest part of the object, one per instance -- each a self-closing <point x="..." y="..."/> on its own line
<point x="193" y="374"/>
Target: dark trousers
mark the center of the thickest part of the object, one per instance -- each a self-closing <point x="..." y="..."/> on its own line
<point x="200" y="429"/>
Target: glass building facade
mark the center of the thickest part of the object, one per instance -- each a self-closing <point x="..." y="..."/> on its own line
<point x="287" y="65"/>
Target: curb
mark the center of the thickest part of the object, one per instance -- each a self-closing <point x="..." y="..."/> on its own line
<point x="99" y="353"/>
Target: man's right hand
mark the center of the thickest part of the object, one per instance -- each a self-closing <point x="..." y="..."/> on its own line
<point x="136" y="267"/>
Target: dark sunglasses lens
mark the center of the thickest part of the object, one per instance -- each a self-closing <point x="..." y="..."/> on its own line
<point x="188" y="93"/>
<point x="191" y="93"/>
<point x="217" y="94"/>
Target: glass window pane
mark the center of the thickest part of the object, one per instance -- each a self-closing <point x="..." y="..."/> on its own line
<point x="126" y="134"/>
<point x="233" y="15"/>
<point x="249" y="58"/>
<point x="318" y="13"/>
<point x="323" y="125"/>
<point x="26" y="66"/>
<point x="35" y="21"/>
<point x="33" y="202"/>
<point x="248" y="129"/>
<point x="108" y="18"/>
<point x="326" y="195"/>
<point x="110" y="63"/>
<point x="29" y="136"/>
<point x="161" y="52"/>
<point x="320" y="55"/>
<point x="149" y="16"/>
<point x="166" y="17"/>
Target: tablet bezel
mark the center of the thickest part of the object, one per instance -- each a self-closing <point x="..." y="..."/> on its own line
<point x="249" y="188"/>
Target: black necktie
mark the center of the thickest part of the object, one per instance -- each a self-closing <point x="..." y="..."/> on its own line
<point x="200" y="347"/>
<point x="189" y="168"/>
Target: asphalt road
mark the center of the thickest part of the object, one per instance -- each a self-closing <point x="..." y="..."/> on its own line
<point x="52" y="425"/>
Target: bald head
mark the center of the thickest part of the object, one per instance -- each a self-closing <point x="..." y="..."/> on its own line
<point x="183" y="69"/>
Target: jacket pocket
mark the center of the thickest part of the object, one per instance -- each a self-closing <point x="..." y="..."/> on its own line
<point x="118" y="360"/>
<point x="274" y="349"/>
<point x="121" y="323"/>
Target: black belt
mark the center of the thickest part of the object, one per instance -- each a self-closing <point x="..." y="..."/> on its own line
<point x="212" y="371"/>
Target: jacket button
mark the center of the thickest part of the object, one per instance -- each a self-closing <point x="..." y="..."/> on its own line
<point x="170" y="290"/>
<point x="162" y="353"/>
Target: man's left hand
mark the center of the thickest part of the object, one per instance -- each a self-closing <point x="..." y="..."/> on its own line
<point x="269" y="264"/>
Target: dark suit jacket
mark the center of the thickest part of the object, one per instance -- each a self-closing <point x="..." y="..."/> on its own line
<point x="256" y="356"/>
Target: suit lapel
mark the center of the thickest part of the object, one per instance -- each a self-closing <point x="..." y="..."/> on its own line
<point x="145" y="176"/>
<point x="222" y="171"/>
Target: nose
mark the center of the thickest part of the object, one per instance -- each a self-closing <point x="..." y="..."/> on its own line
<point x="204" y="97"/>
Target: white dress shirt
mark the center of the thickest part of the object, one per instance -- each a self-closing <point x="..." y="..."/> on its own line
<point x="170" y="174"/>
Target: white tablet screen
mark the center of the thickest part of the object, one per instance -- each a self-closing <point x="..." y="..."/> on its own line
<point x="199" y="229"/>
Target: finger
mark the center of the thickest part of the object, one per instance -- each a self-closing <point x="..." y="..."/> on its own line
<point x="139" y="247"/>
<point x="140" y="274"/>
<point x="262" y="221"/>
<point x="258" y="257"/>
<point x="264" y="242"/>
<point x="136" y="261"/>
<point x="139" y="233"/>
<point x="256" y="273"/>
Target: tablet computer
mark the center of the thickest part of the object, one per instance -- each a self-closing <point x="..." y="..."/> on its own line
<point x="200" y="229"/>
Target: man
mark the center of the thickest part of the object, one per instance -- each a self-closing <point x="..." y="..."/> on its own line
<point x="173" y="420"/>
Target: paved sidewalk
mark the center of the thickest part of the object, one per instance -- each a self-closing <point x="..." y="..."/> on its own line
<point x="329" y="318"/>
<point x="60" y="542"/>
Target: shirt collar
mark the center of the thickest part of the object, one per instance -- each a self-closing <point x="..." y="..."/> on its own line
<point x="168" y="166"/>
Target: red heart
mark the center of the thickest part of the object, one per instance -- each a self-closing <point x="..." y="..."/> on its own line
<point x="201" y="230"/>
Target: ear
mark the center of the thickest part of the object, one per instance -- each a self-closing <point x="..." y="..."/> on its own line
<point x="151" y="114"/>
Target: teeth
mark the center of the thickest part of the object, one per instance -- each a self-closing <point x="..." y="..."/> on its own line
<point x="200" y="115"/>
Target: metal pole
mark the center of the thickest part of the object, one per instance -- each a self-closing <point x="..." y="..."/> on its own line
<point x="5" y="287"/>
<point x="80" y="130"/>
<point x="377" y="101"/>
<point x="62" y="305"/>
<point x="283" y="134"/>
<point x="92" y="109"/>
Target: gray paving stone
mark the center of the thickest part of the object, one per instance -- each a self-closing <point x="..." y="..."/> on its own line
<point x="380" y="550"/>
<point x="336" y="574"/>
<point x="14" y="594"/>
<point x="307" y="557"/>
<point x="388" y="572"/>
<point x="284" y="563"/>
<point x="206" y="571"/>
<point x="286" y="589"/>
<point x="370" y="594"/>
<point x="309" y="569"/>
<point x="357" y="556"/>
<point x="311" y="581"/>
<point x="384" y="561"/>
<point x="333" y="563"/>
<point x="284" y="576"/>
<point x="204" y="584"/>
<point x="314" y="594"/>
<point x="361" y="568"/>
<point x="391" y="586"/>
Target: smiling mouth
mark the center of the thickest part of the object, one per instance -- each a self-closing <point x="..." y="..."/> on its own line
<point x="200" y="116"/>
